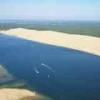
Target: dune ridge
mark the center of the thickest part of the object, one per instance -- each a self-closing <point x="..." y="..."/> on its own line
<point x="87" y="44"/>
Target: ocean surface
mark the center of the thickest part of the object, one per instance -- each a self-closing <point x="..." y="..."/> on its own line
<point x="60" y="73"/>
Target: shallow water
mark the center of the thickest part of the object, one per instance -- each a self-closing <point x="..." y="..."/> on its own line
<point x="61" y="73"/>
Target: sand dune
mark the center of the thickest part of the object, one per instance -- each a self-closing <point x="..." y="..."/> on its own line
<point x="20" y="94"/>
<point x="78" y="42"/>
<point x="15" y="94"/>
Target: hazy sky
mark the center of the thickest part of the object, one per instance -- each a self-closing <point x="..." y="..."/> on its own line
<point x="50" y="9"/>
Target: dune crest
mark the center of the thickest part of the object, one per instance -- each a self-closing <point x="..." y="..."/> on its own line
<point x="88" y="44"/>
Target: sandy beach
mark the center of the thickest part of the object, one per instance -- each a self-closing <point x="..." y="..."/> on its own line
<point x="20" y="94"/>
<point x="87" y="44"/>
<point x="15" y="94"/>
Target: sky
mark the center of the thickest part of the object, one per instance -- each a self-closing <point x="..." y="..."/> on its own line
<point x="50" y="9"/>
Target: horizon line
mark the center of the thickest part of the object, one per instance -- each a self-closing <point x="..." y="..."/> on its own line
<point x="44" y="20"/>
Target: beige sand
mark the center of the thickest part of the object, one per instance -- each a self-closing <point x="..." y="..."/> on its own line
<point x="20" y="94"/>
<point x="14" y="94"/>
<point x="78" y="42"/>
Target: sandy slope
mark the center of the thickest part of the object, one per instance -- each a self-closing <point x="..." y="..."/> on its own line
<point x="83" y="43"/>
<point x="14" y="94"/>
<point x="20" y="94"/>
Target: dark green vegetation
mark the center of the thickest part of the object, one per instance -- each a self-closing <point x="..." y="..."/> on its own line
<point x="73" y="27"/>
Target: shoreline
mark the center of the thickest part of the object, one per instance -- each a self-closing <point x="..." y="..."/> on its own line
<point x="83" y="43"/>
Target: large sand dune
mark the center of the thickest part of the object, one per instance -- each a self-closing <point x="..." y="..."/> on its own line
<point x="15" y="94"/>
<point x="78" y="42"/>
<point x="20" y="94"/>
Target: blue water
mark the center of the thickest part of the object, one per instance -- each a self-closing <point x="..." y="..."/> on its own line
<point x="61" y="73"/>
